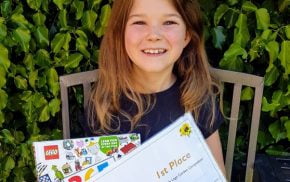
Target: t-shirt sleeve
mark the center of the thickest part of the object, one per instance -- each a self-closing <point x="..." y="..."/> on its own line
<point x="204" y="121"/>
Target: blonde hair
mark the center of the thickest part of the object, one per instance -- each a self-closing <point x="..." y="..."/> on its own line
<point x="115" y="71"/>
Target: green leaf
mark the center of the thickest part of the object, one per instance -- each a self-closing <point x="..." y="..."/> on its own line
<point x="233" y="2"/>
<point x="276" y="131"/>
<point x="34" y="4"/>
<point x="67" y="41"/>
<point x="105" y="15"/>
<point x="52" y="78"/>
<point x="39" y="19"/>
<point x="263" y="19"/>
<point x="287" y="31"/>
<point x="5" y="62"/>
<point x="81" y="45"/>
<point x="273" y="37"/>
<point x="19" y="136"/>
<point x="59" y="3"/>
<point x="287" y="127"/>
<point x="33" y="75"/>
<point x="41" y="35"/>
<point x="3" y="30"/>
<point x="2" y="77"/>
<point x="34" y="131"/>
<point x="9" y="163"/>
<point x="234" y="64"/>
<point x="18" y="9"/>
<point x="234" y="51"/>
<point x="283" y="4"/>
<point x="247" y="94"/>
<point x="264" y="139"/>
<point x="6" y="7"/>
<point x="100" y="30"/>
<point x="73" y="61"/>
<point x="219" y="13"/>
<point x="284" y="57"/>
<point x="93" y="3"/>
<point x="88" y="20"/>
<point x="21" y="70"/>
<point x="20" y="20"/>
<point x="277" y="95"/>
<point x="83" y="35"/>
<point x="3" y="99"/>
<point x="22" y="36"/>
<point x="271" y="76"/>
<point x="29" y="62"/>
<point x="62" y="17"/>
<point x="58" y="42"/>
<point x="39" y="100"/>
<point x="25" y="96"/>
<point x="266" y="107"/>
<point x="44" y="5"/>
<point x="67" y="2"/>
<point x="20" y="82"/>
<point x="8" y="138"/>
<point x="232" y="60"/>
<point x="266" y="34"/>
<point x="44" y="114"/>
<point x="273" y="50"/>
<point x="41" y="82"/>
<point x="249" y="6"/>
<point x="104" y="19"/>
<point x="54" y="106"/>
<point x="218" y="37"/>
<point x="275" y="150"/>
<point x="27" y="106"/>
<point x="241" y="33"/>
<point x="42" y="58"/>
<point x="79" y="6"/>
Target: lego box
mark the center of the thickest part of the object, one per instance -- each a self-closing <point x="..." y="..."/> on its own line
<point x="76" y="160"/>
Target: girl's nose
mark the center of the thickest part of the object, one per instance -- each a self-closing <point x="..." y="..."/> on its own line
<point x="154" y="34"/>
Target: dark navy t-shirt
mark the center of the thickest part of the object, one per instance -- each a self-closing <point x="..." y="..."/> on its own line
<point x="166" y="110"/>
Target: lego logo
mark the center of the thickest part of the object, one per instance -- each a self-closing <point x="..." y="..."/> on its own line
<point x="51" y="152"/>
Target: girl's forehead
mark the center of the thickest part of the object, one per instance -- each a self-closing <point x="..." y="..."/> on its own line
<point x="151" y="6"/>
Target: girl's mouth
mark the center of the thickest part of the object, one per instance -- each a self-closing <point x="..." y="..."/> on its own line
<point x="154" y="51"/>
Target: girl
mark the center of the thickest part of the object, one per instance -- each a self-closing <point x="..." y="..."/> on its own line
<point x="153" y="68"/>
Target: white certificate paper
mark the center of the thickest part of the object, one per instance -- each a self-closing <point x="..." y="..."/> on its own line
<point x="176" y="154"/>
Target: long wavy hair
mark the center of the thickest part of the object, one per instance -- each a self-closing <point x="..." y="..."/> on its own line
<point x="114" y="79"/>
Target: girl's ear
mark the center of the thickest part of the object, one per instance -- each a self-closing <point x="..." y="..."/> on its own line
<point x="187" y="38"/>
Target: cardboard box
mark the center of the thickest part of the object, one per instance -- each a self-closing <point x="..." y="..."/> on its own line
<point x="78" y="159"/>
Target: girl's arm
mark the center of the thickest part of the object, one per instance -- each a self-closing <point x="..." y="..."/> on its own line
<point x="214" y="143"/>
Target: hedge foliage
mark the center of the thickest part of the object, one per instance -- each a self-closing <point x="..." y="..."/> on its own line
<point x="42" y="39"/>
<point x="254" y="37"/>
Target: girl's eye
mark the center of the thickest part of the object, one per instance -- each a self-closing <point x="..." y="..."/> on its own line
<point x="139" y="23"/>
<point x="169" y="23"/>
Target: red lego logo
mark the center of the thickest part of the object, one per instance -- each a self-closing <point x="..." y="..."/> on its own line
<point x="51" y="152"/>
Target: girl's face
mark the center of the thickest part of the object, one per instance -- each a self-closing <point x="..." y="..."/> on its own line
<point x="155" y="36"/>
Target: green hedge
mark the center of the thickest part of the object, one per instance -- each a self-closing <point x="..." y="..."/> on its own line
<point x="254" y="37"/>
<point x="42" y="39"/>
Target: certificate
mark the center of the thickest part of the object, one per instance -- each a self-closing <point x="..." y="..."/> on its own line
<point x="176" y="154"/>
